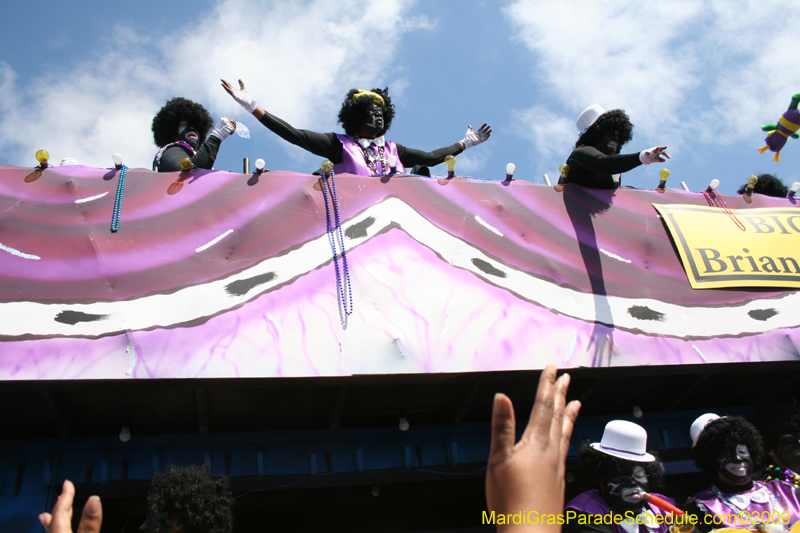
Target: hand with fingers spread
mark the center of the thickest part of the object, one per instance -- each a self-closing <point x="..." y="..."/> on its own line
<point x="241" y="95"/>
<point x="529" y="475"/>
<point x="476" y="137"/>
<point x="60" y="519"/>
<point x="654" y="155"/>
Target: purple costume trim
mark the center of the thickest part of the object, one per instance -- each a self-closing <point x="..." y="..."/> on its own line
<point x="353" y="158"/>
<point x="157" y="158"/>
<point x="591" y="502"/>
<point x="784" y="493"/>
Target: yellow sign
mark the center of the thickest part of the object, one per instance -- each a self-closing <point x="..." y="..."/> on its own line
<point x="716" y="252"/>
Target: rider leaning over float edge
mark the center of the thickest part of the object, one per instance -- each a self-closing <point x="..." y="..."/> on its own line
<point x="365" y="116"/>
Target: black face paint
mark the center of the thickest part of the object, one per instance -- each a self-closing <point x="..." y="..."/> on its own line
<point x="625" y="488"/>
<point x="188" y="134"/>
<point x="788" y="452"/>
<point x="734" y="464"/>
<point x="375" y="120"/>
<point x="610" y="144"/>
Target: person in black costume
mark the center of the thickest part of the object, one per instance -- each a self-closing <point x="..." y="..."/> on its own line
<point x="365" y="116"/>
<point x="769" y="185"/>
<point x="596" y="161"/>
<point x="182" y="128"/>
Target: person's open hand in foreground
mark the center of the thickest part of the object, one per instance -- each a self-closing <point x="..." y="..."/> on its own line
<point x="529" y="475"/>
<point x="60" y="519"/>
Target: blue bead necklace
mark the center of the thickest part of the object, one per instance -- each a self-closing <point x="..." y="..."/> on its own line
<point x="118" y="200"/>
<point x="336" y="238"/>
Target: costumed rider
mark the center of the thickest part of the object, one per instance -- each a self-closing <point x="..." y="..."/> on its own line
<point x="596" y="161"/>
<point x="727" y="450"/>
<point x="624" y="473"/>
<point x="182" y="128"/>
<point x="781" y="433"/>
<point x="362" y="150"/>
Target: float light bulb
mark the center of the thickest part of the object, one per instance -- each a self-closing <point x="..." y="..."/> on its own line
<point x="117" y="159"/>
<point x="637" y="412"/>
<point x="125" y="434"/>
<point x="714" y="184"/>
<point x="185" y="163"/>
<point x="327" y="167"/>
<point x="403" y="425"/>
<point x="42" y="157"/>
<point x="450" y="161"/>
<point x="663" y="174"/>
<point x="796" y="186"/>
<point x="563" y="169"/>
<point x="392" y="161"/>
<point x="751" y="181"/>
<point x="259" y="164"/>
<point x="510" y="168"/>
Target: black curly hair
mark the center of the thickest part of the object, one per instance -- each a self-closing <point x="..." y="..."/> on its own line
<point x="721" y="431"/>
<point x="189" y="494"/>
<point x="355" y="111"/>
<point x="607" y="123"/>
<point x="165" y="123"/>
<point x="596" y="465"/>
<point x="769" y="185"/>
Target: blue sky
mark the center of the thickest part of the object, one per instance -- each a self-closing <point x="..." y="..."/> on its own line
<point x="83" y="79"/>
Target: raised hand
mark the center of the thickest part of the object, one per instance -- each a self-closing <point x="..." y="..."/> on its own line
<point x="529" y="475"/>
<point x="474" y="138"/>
<point x="241" y="95"/>
<point x="60" y="519"/>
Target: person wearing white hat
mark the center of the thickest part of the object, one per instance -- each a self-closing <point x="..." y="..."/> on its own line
<point x="624" y="472"/>
<point x="596" y="160"/>
<point x="727" y="450"/>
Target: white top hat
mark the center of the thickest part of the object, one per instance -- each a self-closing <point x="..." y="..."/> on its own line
<point x="587" y="118"/>
<point x="700" y="424"/>
<point x="625" y="440"/>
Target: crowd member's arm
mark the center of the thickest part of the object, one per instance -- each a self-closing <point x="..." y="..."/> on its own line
<point x="322" y="144"/>
<point x="60" y="519"/>
<point x="529" y="475"/>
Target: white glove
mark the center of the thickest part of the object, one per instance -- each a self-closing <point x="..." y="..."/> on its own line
<point x="241" y="95"/>
<point x="653" y="155"/>
<point x="223" y="128"/>
<point x="474" y="138"/>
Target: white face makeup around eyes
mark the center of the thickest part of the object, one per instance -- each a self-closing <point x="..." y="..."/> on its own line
<point x="735" y="464"/>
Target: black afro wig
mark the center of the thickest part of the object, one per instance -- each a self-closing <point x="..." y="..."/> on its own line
<point x="165" y="123"/>
<point x="189" y="494"/>
<point x="769" y="185"/>
<point x="728" y="429"/>
<point x="607" y="124"/>
<point x="596" y="465"/>
<point x="355" y="111"/>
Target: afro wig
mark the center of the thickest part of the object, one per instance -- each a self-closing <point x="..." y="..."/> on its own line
<point x="355" y="111"/>
<point x="165" y="123"/>
<point x="609" y="122"/>
<point x="769" y="185"/>
<point x="722" y="431"/>
<point x="190" y="495"/>
<point x="596" y="465"/>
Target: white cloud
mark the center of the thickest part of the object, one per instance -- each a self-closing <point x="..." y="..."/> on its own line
<point x="686" y="71"/>
<point x="298" y="58"/>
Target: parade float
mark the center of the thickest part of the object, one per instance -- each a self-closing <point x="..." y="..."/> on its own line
<point x="335" y="342"/>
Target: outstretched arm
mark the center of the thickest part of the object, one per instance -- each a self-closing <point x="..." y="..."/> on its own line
<point x="322" y="144"/>
<point x="529" y="475"/>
